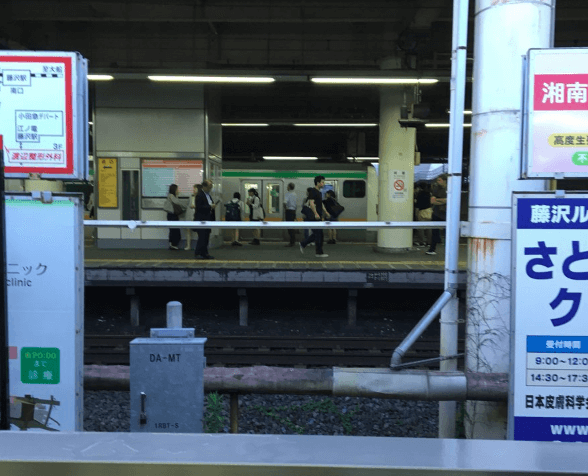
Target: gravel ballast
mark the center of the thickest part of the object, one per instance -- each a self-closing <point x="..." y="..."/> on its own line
<point x="289" y="415"/>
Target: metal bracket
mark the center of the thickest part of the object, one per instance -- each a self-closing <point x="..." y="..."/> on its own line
<point x="426" y="361"/>
<point x="43" y="197"/>
<point x="560" y="194"/>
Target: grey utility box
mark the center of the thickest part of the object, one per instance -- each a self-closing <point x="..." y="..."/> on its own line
<point x="167" y="382"/>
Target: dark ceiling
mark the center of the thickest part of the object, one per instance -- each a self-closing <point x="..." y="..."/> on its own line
<point x="286" y="37"/>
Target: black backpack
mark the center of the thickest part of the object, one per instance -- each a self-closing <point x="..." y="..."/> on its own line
<point x="233" y="212"/>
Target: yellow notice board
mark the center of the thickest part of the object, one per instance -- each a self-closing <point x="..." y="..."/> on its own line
<point x="108" y="183"/>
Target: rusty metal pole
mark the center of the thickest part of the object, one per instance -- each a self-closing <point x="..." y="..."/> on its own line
<point x="234" y="413"/>
<point x="494" y="176"/>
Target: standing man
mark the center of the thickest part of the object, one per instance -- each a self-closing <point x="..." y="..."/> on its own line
<point x="315" y="203"/>
<point x="290" y="208"/>
<point x="439" y="202"/>
<point x="204" y="212"/>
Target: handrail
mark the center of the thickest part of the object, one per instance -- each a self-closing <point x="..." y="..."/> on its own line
<point x="132" y="224"/>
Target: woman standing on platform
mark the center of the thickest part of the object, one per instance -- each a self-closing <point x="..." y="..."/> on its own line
<point x="190" y="217"/>
<point x="256" y="213"/>
<point x="174" y="209"/>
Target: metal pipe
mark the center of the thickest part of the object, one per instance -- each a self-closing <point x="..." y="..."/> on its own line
<point x="132" y="224"/>
<point x="421" y="326"/>
<point x="356" y="382"/>
<point x="174" y="314"/>
<point x="449" y="314"/>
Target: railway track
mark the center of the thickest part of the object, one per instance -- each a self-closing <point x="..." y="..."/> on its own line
<point x="241" y="351"/>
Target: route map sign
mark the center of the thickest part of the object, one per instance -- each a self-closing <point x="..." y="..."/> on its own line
<point x="549" y="367"/>
<point x="556" y="114"/>
<point x="44" y="114"/>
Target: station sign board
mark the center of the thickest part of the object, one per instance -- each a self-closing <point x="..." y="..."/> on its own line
<point x="44" y="114"/>
<point x="45" y="305"/>
<point x="549" y="364"/>
<point x="556" y="113"/>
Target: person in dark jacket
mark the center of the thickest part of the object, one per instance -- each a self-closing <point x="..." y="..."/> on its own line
<point x="439" y="202"/>
<point x="204" y="212"/>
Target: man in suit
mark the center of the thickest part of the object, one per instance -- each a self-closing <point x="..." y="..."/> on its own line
<point x="204" y="212"/>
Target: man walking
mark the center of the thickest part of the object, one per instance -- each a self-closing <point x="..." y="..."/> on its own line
<point x="315" y="203"/>
<point x="290" y="208"/>
<point x="204" y="212"/>
<point x="439" y="202"/>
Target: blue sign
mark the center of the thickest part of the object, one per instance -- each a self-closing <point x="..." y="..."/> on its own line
<point x="552" y="213"/>
<point x="549" y="376"/>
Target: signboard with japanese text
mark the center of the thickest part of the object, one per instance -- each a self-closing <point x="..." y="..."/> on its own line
<point x="45" y="297"/>
<point x="108" y="183"/>
<point x="556" y="114"/>
<point x="44" y="114"/>
<point x="549" y="358"/>
<point x="158" y="174"/>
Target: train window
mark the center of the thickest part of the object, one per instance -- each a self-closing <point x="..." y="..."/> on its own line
<point x="354" y="188"/>
<point x="273" y="198"/>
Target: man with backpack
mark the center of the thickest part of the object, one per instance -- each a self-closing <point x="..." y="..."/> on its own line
<point x="335" y="209"/>
<point x="315" y="203"/>
<point x="233" y="212"/>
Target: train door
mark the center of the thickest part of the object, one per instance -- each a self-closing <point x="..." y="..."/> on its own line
<point x="273" y="199"/>
<point x="271" y="193"/>
<point x="130" y="200"/>
<point x="215" y="173"/>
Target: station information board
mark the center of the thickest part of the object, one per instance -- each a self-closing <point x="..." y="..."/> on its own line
<point x="44" y="114"/>
<point x="556" y="113"/>
<point x="549" y="364"/>
<point x="158" y="174"/>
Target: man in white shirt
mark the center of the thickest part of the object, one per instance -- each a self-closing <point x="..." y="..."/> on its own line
<point x="290" y="209"/>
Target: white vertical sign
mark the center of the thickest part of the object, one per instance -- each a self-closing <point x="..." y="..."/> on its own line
<point x="549" y="364"/>
<point x="397" y="186"/>
<point x="44" y="266"/>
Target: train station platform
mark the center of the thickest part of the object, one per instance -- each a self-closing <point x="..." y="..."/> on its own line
<point x="272" y="264"/>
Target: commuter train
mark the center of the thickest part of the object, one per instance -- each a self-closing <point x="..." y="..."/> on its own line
<point x="355" y="185"/>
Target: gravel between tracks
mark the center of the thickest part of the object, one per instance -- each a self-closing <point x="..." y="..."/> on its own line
<point x="290" y="415"/>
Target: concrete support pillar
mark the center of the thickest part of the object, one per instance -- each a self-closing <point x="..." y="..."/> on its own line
<point x="243" y="307"/>
<point x="352" y="308"/>
<point x="396" y="175"/>
<point x="494" y="172"/>
<point x="135" y="306"/>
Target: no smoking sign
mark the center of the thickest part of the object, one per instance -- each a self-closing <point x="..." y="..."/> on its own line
<point x="399" y="185"/>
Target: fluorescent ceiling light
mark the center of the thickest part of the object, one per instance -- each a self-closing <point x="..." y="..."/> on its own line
<point x="370" y="124"/>
<point x="373" y="81"/>
<point x="100" y="77"/>
<point x="213" y="79"/>
<point x="238" y="124"/>
<point x="438" y="125"/>
<point x="373" y="159"/>
<point x="273" y="157"/>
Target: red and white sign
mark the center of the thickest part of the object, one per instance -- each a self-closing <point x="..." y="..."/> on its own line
<point x="557" y="114"/>
<point x="44" y="114"/>
<point x="399" y="185"/>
